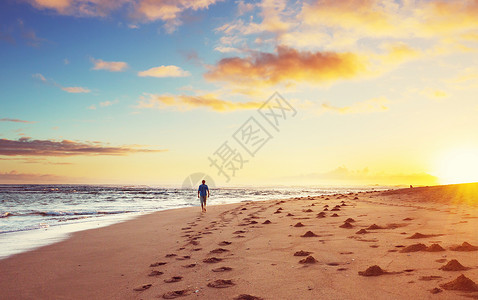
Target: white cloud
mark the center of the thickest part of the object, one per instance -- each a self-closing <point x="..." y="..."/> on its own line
<point x="164" y="71"/>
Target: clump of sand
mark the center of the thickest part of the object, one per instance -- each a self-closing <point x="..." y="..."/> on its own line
<point x="346" y="225"/>
<point x="309" y="234"/>
<point x="461" y="283"/>
<point x="350" y="220"/>
<point x="414" y="248"/>
<point x="302" y="253"/>
<point x="435" y="248"/>
<point x="374" y="227"/>
<point x="464" y="247"/>
<point x="309" y="260"/>
<point x="372" y="271"/>
<point x="453" y="265"/>
<point x="299" y="225"/>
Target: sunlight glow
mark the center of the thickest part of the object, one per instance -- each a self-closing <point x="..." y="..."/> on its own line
<point x="458" y="166"/>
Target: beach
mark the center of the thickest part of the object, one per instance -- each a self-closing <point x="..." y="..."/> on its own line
<point x="414" y="243"/>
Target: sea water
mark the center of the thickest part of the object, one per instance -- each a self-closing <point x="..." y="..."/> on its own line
<point x="35" y="215"/>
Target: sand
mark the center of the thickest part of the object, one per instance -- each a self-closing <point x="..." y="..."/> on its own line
<point x="232" y="252"/>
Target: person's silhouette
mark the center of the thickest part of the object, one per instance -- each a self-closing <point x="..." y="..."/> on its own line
<point x="203" y="194"/>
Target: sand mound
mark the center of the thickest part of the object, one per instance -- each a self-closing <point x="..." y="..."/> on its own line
<point x="220" y="283"/>
<point x="326" y="209"/>
<point x="418" y="235"/>
<point x="464" y="247"/>
<point x="247" y="297"/>
<point x="302" y="253"/>
<point x="350" y="220"/>
<point x="309" y="260"/>
<point x="326" y="205"/>
<point x="308" y="210"/>
<point x="414" y="248"/>
<point x="346" y="225"/>
<point x="335" y="215"/>
<point x="321" y="215"/>
<point x="266" y="222"/>
<point x="461" y="283"/>
<point x="289" y="215"/>
<point x="361" y="231"/>
<point x="374" y="227"/>
<point x="335" y="209"/>
<point x="212" y="260"/>
<point x="435" y="248"/>
<point x="222" y="269"/>
<point x="453" y="265"/>
<point x="309" y="234"/>
<point x="407" y="219"/>
<point x="176" y="294"/>
<point x="372" y="271"/>
<point x="299" y="225"/>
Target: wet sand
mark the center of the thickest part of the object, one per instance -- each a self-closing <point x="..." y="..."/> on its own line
<point x="419" y="243"/>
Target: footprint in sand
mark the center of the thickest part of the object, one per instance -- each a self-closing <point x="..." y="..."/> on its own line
<point x="176" y="294"/>
<point x="220" y="283"/>
<point x="171" y="255"/>
<point x="155" y="273"/>
<point x="173" y="279"/>
<point x="157" y="264"/>
<point x="224" y="243"/>
<point x="238" y="232"/>
<point x="222" y="269"/>
<point x="143" y="287"/>
<point x="247" y="297"/>
<point x="212" y="260"/>
<point x="219" y="250"/>
<point x="184" y="257"/>
<point x="190" y="266"/>
<point x="197" y="249"/>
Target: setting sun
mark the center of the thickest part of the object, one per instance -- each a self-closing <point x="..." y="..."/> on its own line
<point x="458" y="166"/>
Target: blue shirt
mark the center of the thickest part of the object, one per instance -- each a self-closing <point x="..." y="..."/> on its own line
<point x="202" y="190"/>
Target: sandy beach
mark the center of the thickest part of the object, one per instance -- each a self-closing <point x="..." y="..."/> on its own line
<point x="419" y="243"/>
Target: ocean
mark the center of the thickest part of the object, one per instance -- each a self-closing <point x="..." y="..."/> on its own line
<point x="36" y="215"/>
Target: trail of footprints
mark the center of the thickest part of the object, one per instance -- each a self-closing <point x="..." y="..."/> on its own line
<point x="254" y="220"/>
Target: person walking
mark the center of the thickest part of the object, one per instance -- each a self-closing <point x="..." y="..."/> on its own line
<point x="202" y="195"/>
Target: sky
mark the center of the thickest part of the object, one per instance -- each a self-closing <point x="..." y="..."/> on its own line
<point x="269" y="92"/>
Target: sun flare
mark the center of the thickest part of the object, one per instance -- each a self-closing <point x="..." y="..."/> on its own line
<point x="458" y="166"/>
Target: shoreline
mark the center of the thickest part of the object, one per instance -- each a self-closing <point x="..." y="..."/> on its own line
<point x="111" y="262"/>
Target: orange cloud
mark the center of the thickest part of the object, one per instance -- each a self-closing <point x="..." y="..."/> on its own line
<point x="164" y="71"/>
<point x="287" y="65"/>
<point x="15" y="120"/>
<point x="112" y="66"/>
<point x="70" y="89"/>
<point x="185" y="102"/>
<point x="27" y="147"/>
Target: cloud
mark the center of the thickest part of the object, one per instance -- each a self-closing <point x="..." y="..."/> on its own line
<point x="287" y="65"/>
<point x="16" y="121"/>
<point x="186" y="102"/>
<point x="27" y="147"/>
<point x="81" y="8"/>
<point x="69" y="89"/>
<point x="75" y="89"/>
<point x="112" y="66"/>
<point x="29" y="35"/>
<point x="108" y="103"/>
<point x="368" y="106"/>
<point x="14" y="176"/>
<point x="164" y="71"/>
